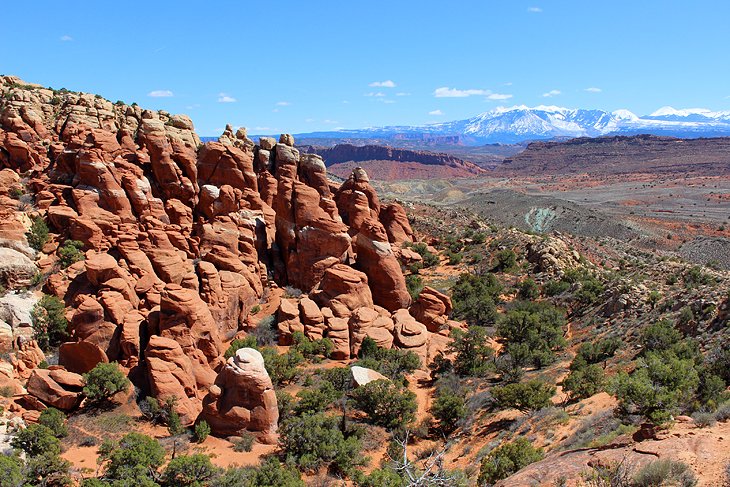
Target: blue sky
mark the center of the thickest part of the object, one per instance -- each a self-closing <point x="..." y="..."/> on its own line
<point x="299" y="66"/>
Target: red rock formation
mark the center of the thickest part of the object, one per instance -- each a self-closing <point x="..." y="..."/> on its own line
<point x="243" y="399"/>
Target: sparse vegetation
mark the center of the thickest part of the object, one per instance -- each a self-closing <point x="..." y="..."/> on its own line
<point x="507" y="459"/>
<point x="38" y="234"/>
<point x="103" y="381"/>
<point x="50" y="326"/>
<point x="70" y="253"/>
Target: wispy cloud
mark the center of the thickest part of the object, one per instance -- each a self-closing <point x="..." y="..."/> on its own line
<point x="551" y="93"/>
<point x="330" y="122"/>
<point x="435" y="112"/>
<point x="382" y="84"/>
<point x="161" y="94"/>
<point x="310" y="120"/>
<point x="387" y="102"/>
<point x="534" y="10"/>
<point x="498" y="96"/>
<point x="402" y="94"/>
<point x="377" y="94"/>
<point x="593" y="90"/>
<point x="282" y="103"/>
<point x="66" y="38"/>
<point x="446" y="92"/>
<point x="225" y="98"/>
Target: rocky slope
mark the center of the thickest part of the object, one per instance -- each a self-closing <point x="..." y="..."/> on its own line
<point x="181" y="240"/>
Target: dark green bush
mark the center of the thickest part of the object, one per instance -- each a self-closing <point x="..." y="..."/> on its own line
<point x="70" y="253"/>
<point x="448" y="408"/>
<point x="524" y="396"/>
<point x="391" y="362"/>
<point x="36" y="440"/>
<point x="54" y="420"/>
<point x="38" y="234"/>
<point x="414" y="284"/>
<point x="533" y="331"/>
<point x="385" y="403"/>
<point x="474" y="298"/>
<point x="103" y="381"/>
<point x="271" y="473"/>
<point x="505" y="260"/>
<point x="528" y="289"/>
<point x="473" y="354"/>
<point x="201" y="431"/>
<point x="584" y="382"/>
<point x="189" y="471"/>
<point x="507" y="460"/>
<point x="50" y="326"/>
<point x="133" y="459"/>
<point x="315" y="440"/>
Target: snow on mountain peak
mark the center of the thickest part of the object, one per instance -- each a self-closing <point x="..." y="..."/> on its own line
<point x="623" y="114"/>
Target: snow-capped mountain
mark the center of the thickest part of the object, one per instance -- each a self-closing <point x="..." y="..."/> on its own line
<point x="521" y="123"/>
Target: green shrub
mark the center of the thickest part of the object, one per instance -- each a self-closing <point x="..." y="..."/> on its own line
<point x="528" y="289"/>
<point x="524" y="396"/>
<point x="555" y="287"/>
<point x="246" y="342"/>
<point x="584" y="382"/>
<point x="135" y="458"/>
<point x="10" y="471"/>
<point x="271" y="473"/>
<point x="595" y="352"/>
<point x="507" y="460"/>
<point x="449" y="408"/>
<point x="282" y="368"/>
<point x="311" y="348"/>
<point x="47" y="469"/>
<point x="189" y="471"/>
<point x="474" y="298"/>
<point x="54" y="420"/>
<point x="455" y="258"/>
<point x="38" y="234"/>
<point x="50" y="327"/>
<point x="315" y="440"/>
<point x="533" y="330"/>
<point x="201" y="431"/>
<point x="661" y="385"/>
<point x="318" y="399"/>
<point x="391" y="362"/>
<point x="385" y="403"/>
<point x="244" y="443"/>
<point x="36" y="440"/>
<point x="703" y="419"/>
<point x="70" y="253"/>
<point x="415" y="285"/>
<point x="505" y="260"/>
<point x="473" y="355"/>
<point x="665" y="472"/>
<point x="103" y="381"/>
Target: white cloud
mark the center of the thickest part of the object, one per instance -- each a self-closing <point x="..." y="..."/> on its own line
<point x="388" y="102"/>
<point x="161" y="94"/>
<point x="435" y="112"/>
<point x="310" y="120"/>
<point x="402" y="94"/>
<point x="446" y="92"/>
<point x="282" y="103"/>
<point x="328" y="121"/>
<point x="593" y="90"/>
<point x="498" y="96"/>
<point x="225" y="98"/>
<point x="376" y="94"/>
<point x="345" y="102"/>
<point x="264" y="129"/>
<point x="534" y="10"/>
<point x="551" y="93"/>
<point x="66" y="38"/>
<point x="382" y="84"/>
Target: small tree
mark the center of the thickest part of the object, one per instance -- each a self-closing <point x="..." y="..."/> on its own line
<point x="134" y="458"/>
<point x="385" y="403"/>
<point x="36" y="440"/>
<point x="584" y="382"/>
<point x="528" y="289"/>
<point x="54" y="420"/>
<point x="70" y="253"/>
<point x="507" y="460"/>
<point x="38" y="234"/>
<point x="524" y="396"/>
<point x="103" y="381"/>
<point x="202" y="430"/>
<point x="189" y="471"/>
<point x="473" y="355"/>
<point x="449" y="408"/>
<point x="50" y="326"/>
<point x="506" y="260"/>
<point x="315" y="440"/>
<point x="271" y="473"/>
<point x="10" y="471"/>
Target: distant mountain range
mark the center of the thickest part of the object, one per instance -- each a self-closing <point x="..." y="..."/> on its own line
<point x="521" y="123"/>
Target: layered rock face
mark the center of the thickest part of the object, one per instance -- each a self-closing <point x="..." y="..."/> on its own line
<point x="182" y="239"/>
